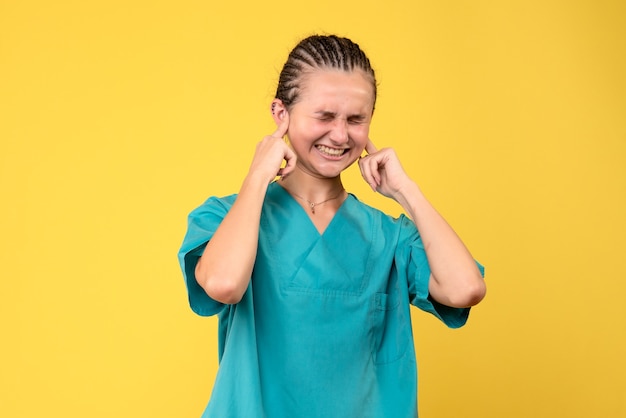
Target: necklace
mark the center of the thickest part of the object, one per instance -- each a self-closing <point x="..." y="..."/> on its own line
<point x="313" y="204"/>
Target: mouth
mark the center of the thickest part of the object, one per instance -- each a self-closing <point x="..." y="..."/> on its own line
<point x="331" y="152"/>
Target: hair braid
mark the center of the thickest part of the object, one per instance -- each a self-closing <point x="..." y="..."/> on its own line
<point x="320" y="52"/>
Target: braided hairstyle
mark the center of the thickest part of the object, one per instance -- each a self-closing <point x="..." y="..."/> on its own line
<point x="320" y="52"/>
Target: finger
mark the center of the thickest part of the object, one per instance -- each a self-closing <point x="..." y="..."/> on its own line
<point x="368" y="171"/>
<point x="370" y="147"/>
<point x="290" y="158"/>
<point x="282" y="127"/>
<point x="374" y="165"/>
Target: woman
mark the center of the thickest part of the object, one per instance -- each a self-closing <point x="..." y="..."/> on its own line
<point x="313" y="287"/>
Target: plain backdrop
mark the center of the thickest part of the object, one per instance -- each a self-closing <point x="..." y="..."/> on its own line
<point x="117" y="118"/>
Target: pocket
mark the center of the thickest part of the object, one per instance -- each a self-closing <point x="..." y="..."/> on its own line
<point x="391" y="329"/>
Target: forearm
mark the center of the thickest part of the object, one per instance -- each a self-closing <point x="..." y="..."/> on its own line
<point x="455" y="278"/>
<point x="225" y="268"/>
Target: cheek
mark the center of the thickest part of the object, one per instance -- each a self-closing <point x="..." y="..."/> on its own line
<point x="294" y="132"/>
<point x="360" y="134"/>
<point x="306" y="131"/>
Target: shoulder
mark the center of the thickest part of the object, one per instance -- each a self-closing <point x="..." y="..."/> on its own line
<point x="399" y="230"/>
<point x="383" y="219"/>
<point x="212" y="208"/>
<point x="217" y="201"/>
<point x="386" y="233"/>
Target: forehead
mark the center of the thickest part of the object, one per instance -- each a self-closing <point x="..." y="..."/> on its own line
<point x="331" y="86"/>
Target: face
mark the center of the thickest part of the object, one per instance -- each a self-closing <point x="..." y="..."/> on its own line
<point x="329" y="125"/>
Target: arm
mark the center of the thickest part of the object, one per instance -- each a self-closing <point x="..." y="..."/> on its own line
<point x="225" y="268"/>
<point x="455" y="279"/>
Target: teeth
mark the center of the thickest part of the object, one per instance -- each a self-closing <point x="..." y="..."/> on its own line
<point x="330" y="151"/>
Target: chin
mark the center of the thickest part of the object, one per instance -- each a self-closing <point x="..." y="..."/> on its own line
<point x="334" y="169"/>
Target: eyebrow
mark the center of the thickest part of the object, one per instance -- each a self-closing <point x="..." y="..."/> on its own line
<point x="328" y="114"/>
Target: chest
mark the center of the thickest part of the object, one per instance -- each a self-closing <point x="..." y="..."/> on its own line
<point x="352" y="257"/>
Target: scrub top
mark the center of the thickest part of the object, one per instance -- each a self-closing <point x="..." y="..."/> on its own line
<point x="324" y="328"/>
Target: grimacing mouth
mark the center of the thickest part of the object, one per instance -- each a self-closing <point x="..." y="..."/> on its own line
<point x="333" y="152"/>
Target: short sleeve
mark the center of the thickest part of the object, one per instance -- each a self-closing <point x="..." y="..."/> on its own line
<point x="411" y="249"/>
<point x="202" y="224"/>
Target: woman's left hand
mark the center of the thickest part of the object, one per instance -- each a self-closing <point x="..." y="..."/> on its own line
<point x="382" y="171"/>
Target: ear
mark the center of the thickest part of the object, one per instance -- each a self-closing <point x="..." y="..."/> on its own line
<point x="279" y="111"/>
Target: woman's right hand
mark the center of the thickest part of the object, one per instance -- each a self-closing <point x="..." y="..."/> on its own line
<point x="270" y="154"/>
<point x="225" y="267"/>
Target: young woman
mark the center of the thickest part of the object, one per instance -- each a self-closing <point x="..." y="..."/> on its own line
<point x="311" y="286"/>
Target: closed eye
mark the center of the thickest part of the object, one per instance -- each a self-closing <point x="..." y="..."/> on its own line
<point x="356" y="120"/>
<point x="330" y="116"/>
<point x="326" y="116"/>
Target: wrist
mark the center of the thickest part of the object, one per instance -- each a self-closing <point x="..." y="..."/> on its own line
<point x="406" y="191"/>
<point x="254" y="185"/>
<point x="411" y="198"/>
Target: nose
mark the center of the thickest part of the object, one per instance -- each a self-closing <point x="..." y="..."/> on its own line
<point x="339" y="132"/>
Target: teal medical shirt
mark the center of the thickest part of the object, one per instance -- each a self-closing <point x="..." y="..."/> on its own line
<point x="324" y="328"/>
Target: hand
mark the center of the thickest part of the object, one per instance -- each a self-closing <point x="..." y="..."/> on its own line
<point x="270" y="154"/>
<point x="382" y="171"/>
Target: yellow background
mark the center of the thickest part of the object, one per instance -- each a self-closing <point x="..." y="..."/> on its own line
<point x="119" y="117"/>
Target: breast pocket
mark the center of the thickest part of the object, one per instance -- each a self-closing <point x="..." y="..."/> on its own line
<point x="391" y="328"/>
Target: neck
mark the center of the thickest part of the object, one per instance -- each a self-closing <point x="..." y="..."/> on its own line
<point x="310" y="188"/>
